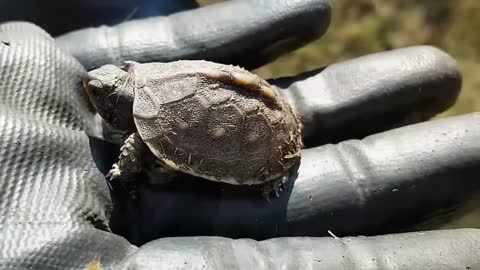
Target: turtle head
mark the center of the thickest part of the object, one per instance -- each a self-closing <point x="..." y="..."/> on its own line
<point x="111" y="92"/>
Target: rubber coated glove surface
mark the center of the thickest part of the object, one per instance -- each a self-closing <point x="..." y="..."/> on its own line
<point x="373" y="164"/>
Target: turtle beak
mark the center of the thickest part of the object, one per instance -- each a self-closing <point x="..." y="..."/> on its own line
<point x="93" y="87"/>
<point x="95" y="91"/>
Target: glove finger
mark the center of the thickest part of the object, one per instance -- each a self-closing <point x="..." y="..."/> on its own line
<point x="374" y="93"/>
<point x="50" y="88"/>
<point x="383" y="183"/>
<point x="58" y="16"/>
<point x="27" y="77"/>
<point x="54" y="202"/>
<point x="390" y="181"/>
<point x="247" y="33"/>
<point x="422" y="251"/>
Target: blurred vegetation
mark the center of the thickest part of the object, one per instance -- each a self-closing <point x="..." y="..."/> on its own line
<point x="360" y="27"/>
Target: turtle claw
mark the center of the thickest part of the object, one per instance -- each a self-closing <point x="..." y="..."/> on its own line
<point x="109" y="176"/>
<point x="114" y="173"/>
<point x="129" y="161"/>
<point x="276" y="186"/>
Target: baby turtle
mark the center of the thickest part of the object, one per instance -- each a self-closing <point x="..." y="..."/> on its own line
<point x="210" y="120"/>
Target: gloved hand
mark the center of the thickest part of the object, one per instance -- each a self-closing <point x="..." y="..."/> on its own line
<point x="372" y="165"/>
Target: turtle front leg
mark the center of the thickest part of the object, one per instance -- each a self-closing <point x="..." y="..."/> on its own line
<point x="130" y="159"/>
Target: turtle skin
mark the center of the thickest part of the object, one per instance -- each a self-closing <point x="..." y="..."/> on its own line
<point x="215" y="121"/>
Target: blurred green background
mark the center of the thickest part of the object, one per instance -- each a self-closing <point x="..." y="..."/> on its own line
<point x="360" y="27"/>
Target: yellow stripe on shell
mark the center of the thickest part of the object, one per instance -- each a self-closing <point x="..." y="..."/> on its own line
<point x="268" y="92"/>
<point x="170" y="164"/>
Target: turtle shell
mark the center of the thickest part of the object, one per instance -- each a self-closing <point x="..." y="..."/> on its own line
<point x="215" y="121"/>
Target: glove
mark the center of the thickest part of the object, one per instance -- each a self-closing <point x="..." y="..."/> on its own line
<point x="58" y="17"/>
<point x="57" y="212"/>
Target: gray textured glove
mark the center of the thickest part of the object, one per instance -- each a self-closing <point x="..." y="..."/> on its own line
<point x="56" y="207"/>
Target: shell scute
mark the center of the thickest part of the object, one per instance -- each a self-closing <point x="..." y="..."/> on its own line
<point x="145" y="104"/>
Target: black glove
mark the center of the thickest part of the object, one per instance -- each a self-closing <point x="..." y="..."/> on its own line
<point x="56" y="206"/>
